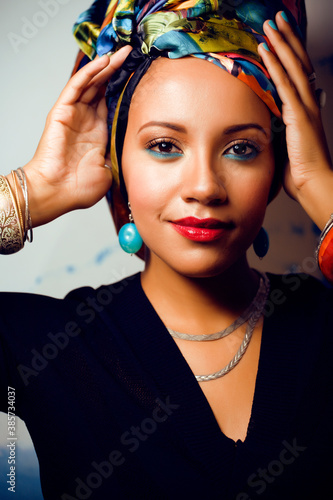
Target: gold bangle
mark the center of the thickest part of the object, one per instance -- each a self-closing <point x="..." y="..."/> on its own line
<point x="11" y="234"/>
<point x="28" y="223"/>
<point x="18" y="201"/>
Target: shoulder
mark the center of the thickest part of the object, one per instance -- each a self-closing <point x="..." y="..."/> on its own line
<point x="300" y="302"/>
<point x="106" y="301"/>
<point x="28" y="313"/>
<point x="298" y="281"/>
<point x="30" y="320"/>
<point x="290" y="289"/>
<point x="38" y="330"/>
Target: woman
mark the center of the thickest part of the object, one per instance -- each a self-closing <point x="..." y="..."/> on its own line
<point x="106" y="386"/>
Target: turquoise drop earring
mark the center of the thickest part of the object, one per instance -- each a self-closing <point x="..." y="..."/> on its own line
<point x="129" y="237"/>
<point x="261" y="243"/>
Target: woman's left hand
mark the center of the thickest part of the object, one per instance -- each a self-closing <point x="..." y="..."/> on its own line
<point x="308" y="175"/>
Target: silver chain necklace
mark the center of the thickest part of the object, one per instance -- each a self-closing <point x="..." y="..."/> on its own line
<point x="252" y="314"/>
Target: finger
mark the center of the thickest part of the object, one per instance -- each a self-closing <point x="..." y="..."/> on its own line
<point x="296" y="44"/>
<point x="287" y="68"/>
<point x="73" y="90"/>
<point x="292" y="64"/>
<point x="294" y="41"/>
<point x="286" y="90"/>
<point x="115" y="62"/>
<point x="94" y="74"/>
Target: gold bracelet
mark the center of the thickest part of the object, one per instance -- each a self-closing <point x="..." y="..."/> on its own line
<point x="28" y="223"/>
<point x="11" y="232"/>
<point x="18" y="201"/>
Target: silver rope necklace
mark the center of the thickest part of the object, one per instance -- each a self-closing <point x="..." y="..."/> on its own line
<point x="251" y="314"/>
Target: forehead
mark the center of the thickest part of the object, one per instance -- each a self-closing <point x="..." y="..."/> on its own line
<point x="192" y="88"/>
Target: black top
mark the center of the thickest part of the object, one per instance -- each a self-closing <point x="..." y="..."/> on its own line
<point x="115" y="412"/>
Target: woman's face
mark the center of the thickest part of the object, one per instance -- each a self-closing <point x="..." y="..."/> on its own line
<point x="198" y="165"/>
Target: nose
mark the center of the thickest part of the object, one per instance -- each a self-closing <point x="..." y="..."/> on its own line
<point x="204" y="182"/>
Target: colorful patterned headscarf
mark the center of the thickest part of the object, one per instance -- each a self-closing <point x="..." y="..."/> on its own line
<point x="224" y="32"/>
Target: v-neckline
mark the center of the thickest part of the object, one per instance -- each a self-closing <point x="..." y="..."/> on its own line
<point x="203" y="399"/>
<point x="194" y="421"/>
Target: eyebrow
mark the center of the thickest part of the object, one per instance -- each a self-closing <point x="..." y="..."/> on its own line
<point x="173" y="126"/>
<point x="245" y="126"/>
<point x="230" y="130"/>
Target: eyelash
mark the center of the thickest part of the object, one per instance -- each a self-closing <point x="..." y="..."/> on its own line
<point x="157" y="142"/>
<point x="243" y="143"/>
<point x="233" y="156"/>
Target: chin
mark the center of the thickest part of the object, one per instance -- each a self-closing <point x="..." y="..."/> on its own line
<point x="200" y="265"/>
<point x="204" y="272"/>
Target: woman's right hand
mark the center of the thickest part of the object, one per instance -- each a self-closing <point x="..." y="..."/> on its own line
<point x="67" y="171"/>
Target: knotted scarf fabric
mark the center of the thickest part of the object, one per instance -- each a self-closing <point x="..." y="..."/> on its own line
<point x="224" y="32"/>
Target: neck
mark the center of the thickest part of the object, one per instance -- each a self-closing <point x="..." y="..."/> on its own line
<point x="202" y="305"/>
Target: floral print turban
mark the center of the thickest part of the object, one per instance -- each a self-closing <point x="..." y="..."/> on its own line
<point x="224" y="32"/>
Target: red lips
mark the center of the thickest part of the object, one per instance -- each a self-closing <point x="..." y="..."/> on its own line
<point x="202" y="230"/>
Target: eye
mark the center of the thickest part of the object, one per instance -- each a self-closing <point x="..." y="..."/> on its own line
<point x="242" y="150"/>
<point x="163" y="147"/>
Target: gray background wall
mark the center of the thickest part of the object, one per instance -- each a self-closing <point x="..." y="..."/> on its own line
<point x="37" y="54"/>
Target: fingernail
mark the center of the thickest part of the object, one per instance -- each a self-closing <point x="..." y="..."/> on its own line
<point x="265" y="46"/>
<point x="284" y="17"/>
<point x="273" y="25"/>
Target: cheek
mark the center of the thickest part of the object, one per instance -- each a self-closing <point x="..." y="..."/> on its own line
<point x="147" y="194"/>
<point x="249" y="193"/>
